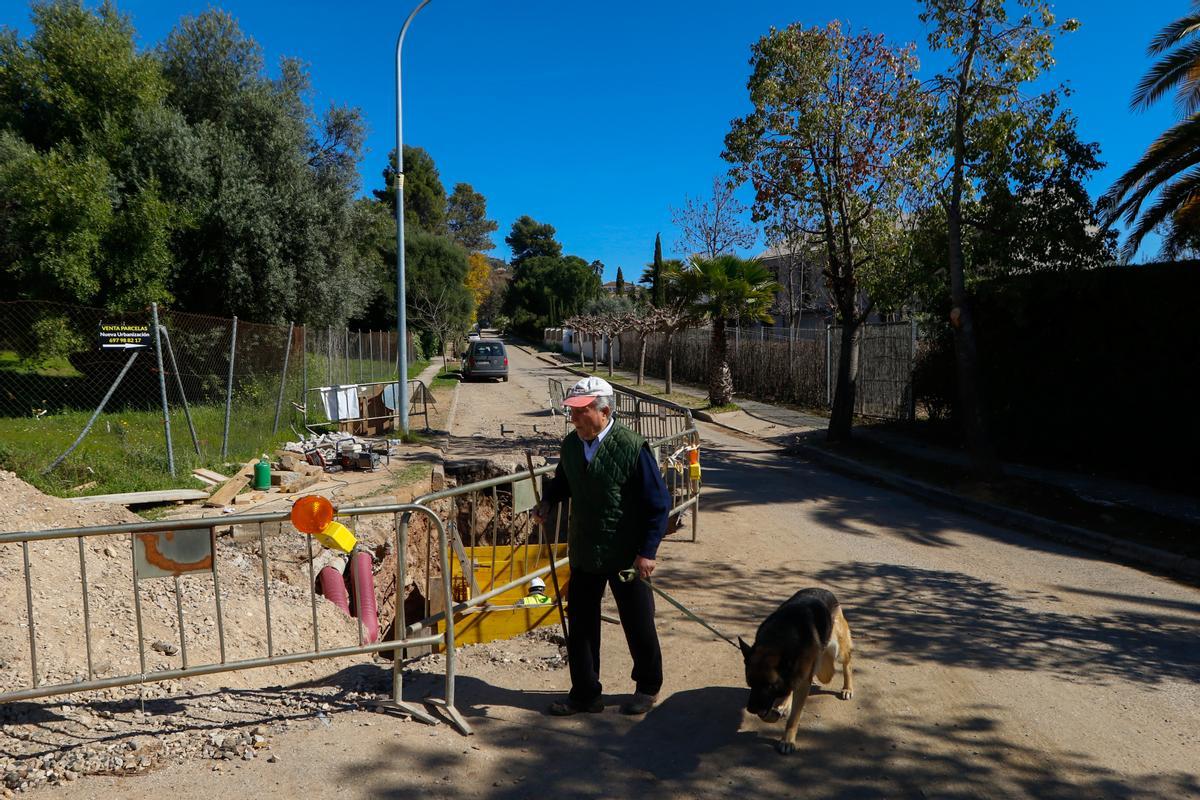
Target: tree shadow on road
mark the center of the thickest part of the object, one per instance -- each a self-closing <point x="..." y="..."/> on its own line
<point x="738" y="479"/>
<point x="691" y="746"/>
<point x="911" y="616"/>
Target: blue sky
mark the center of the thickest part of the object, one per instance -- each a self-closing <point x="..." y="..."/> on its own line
<point x="597" y="117"/>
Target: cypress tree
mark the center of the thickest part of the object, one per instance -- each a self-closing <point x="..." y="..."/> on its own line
<point x="658" y="291"/>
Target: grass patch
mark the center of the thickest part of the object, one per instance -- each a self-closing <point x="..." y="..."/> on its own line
<point x="721" y="409"/>
<point x="407" y="476"/>
<point x="57" y="367"/>
<point x="126" y="451"/>
<point x="412" y="437"/>
<point x="447" y="378"/>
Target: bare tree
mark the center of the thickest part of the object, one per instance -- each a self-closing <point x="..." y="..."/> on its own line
<point x="612" y="325"/>
<point x="439" y="312"/>
<point x="581" y="325"/>
<point x="643" y="323"/>
<point x="793" y="247"/>
<point x="714" y="226"/>
<point x="590" y="326"/>
<point x="670" y="322"/>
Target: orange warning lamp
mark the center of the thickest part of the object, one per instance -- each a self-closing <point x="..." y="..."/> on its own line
<point x="694" y="463"/>
<point x="313" y="515"/>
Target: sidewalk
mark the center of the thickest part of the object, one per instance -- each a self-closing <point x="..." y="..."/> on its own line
<point x="805" y="431"/>
<point x="429" y="373"/>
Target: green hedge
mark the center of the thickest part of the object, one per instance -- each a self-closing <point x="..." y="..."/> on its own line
<point x="1085" y="369"/>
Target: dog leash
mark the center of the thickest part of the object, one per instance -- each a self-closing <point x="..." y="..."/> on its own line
<point x="630" y="575"/>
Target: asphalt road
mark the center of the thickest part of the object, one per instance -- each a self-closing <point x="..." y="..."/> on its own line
<point x="988" y="663"/>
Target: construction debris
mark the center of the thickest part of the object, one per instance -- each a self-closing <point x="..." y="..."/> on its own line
<point x="224" y="495"/>
<point x="333" y="452"/>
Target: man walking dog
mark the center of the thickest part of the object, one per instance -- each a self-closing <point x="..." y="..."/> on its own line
<point x="619" y="506"/>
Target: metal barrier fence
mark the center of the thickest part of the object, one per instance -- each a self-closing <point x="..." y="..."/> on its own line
<point x="650" y="418"/>
<point x="188" y="553"/>
<point x="176" y="548"/>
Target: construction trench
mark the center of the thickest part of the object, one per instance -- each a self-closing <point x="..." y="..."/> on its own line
<point x="170" y="622"/>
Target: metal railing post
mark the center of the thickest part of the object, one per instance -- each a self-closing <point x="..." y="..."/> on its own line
<point x="287" y="351"/>
<point x="187" y="411"/>
<point x="95" y="414"/>
<point x="162" y="388"/>
<point x="229" y="390"/>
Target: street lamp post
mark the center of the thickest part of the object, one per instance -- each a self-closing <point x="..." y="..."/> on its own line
<point x="401" y="315"/>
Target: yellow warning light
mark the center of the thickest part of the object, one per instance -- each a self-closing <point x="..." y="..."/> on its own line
<point x="313" y="515"/>
<point x="336" y="536"/>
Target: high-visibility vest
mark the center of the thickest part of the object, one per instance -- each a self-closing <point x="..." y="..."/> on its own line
<point x="535" y="599"/>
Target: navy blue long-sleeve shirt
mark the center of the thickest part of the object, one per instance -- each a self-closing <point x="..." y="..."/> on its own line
<point x="648" y="489"/>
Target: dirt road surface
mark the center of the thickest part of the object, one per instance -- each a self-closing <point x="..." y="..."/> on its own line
<point x="988" y="664"/>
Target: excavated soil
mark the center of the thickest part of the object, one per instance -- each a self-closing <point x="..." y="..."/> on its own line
<point x="136" y="728"/>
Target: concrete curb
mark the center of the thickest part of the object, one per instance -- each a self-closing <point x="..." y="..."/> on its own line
<point x="451" y="413"/>
<point x="1022" y="521"/>
<point x="1083" y="538"/>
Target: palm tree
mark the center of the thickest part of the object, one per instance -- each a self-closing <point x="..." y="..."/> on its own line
<point x="1171" y="166"/>
<point x="718" y="289"/>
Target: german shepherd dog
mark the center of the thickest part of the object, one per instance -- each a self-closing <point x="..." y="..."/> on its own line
<point x="801" y="639"/>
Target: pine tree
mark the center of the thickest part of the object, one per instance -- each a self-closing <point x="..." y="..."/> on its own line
<point x="620" y="283"/>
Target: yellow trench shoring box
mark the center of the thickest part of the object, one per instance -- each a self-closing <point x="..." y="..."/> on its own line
<point x="501" y="617"/>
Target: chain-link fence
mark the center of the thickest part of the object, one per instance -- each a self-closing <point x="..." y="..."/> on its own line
<point x="797" y="366"/>
<point x="231" y="388"/>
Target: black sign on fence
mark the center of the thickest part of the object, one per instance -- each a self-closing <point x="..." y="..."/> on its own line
<point x="121" y="336"/>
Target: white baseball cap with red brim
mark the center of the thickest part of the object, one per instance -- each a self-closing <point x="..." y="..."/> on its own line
<point x="585" y="392"/>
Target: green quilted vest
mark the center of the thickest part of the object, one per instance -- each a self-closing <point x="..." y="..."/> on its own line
<point x="606" y="530"/>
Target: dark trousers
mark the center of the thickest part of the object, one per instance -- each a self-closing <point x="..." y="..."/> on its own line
<point x="635" y="605"/>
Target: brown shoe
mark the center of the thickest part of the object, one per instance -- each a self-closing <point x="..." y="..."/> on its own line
<point x="640" y="704"/>
<point x="566" y="708"/>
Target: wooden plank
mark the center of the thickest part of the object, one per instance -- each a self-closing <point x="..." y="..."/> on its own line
<point x="223" y="495"/>
<point x="143" y="498"/>
<point x="208" y="475"/>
